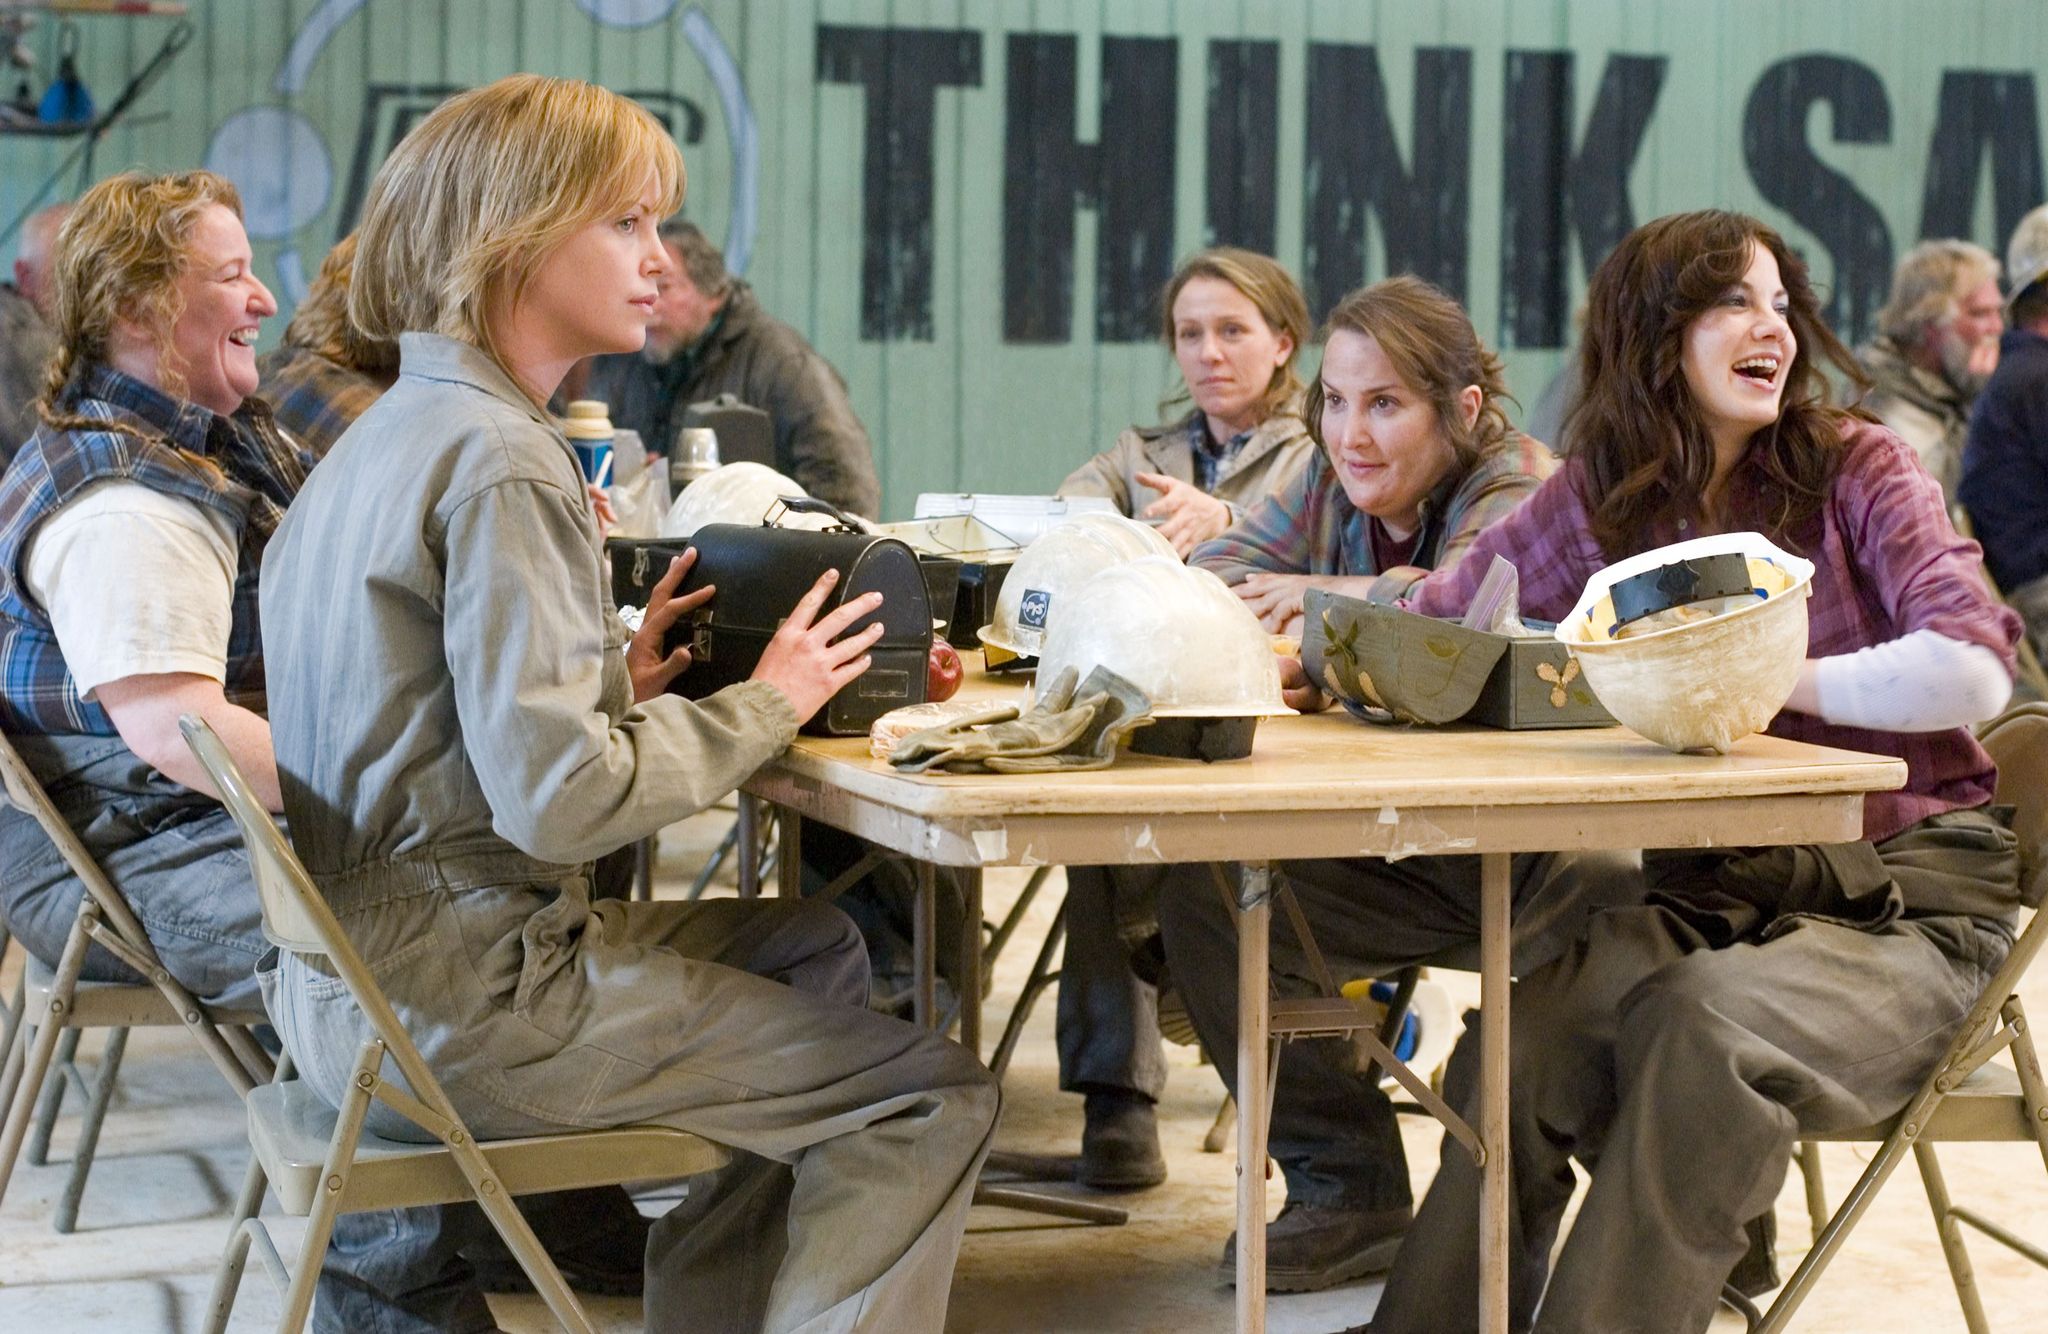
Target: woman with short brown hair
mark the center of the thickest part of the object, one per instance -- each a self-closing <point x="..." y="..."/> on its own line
<point x="1235" y="322"/>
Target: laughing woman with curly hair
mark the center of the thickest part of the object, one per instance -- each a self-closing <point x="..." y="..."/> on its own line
<point x="1682" y="1045"/>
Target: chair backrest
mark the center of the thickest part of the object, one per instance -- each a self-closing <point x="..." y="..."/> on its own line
<point x="25" y="793"/>
<point x="287" y="892"/>
<point x="2018" y="742"/>
<point x="295" y="914"/>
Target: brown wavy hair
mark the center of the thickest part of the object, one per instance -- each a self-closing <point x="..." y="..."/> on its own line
<point x="1432" y="346"/>
<point x="118" y="258"/>
<point x="321" y="323"/>
<point x="1646" y="455"/>
<point x="1269" y="287"/>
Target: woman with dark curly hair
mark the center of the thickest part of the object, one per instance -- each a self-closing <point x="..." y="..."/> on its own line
<point x="1682" y="1045"/>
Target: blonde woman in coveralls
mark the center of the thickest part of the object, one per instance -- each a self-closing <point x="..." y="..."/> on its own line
<point x="462" y="726"/>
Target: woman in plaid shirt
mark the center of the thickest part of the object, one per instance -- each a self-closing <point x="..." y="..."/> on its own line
<point x="1759" y="995"/>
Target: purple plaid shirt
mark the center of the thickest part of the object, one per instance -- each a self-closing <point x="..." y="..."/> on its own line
<point x="1886" y="563"/>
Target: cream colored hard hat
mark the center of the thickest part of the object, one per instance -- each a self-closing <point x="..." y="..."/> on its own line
<point x="2026" y="254"/>
<point x="742" y="493"/>
<point x="1177" y="633"/>
<point x="1698" y="674"/>
<point x="1060" y="562"/>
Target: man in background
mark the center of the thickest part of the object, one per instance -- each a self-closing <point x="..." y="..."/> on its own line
<point x="2004" y="484"/>
<point x="1936" y="346"/>
<point x="710" y="336"/>
<point x="25" y="340"/>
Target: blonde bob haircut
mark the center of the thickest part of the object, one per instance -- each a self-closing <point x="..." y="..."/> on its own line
<point x="118" y="258"/>
<point x="468" y="206"/>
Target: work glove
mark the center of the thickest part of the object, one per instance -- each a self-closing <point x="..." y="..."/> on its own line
<point x="1069" y="728"/>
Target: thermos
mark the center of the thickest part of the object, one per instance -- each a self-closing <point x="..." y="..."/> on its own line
<point x="695" y="454"/>
<point x="589" y="428"/>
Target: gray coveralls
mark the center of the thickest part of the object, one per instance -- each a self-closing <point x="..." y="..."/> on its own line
<point x="456" y="740"/>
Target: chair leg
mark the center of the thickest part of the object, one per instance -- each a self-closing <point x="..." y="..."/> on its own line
<point x="716" y="860"/>
<point x="1951" y="1233"/>
<point x="66" y="1067"/>
<point x="227" y="1280"/>
<point x="341" y="1153"/>
<point x="1042" y="975"/>
<point x="17" y="1054"/>
<point x="1222" y="1128"/>
<point x="1808" y="1156"/>
<point x="12" y="1018"/>
<point x="36" y="1065"/>
<point x="1887" y="1159"/>
<point x="89" y="1130"/>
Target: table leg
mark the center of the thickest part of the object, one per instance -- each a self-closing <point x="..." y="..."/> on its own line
<point x="970" y="960"/>
<point x="1254" y="926"/>
<point x="789" y="855"/>
<point x="924" y="946"/>
<point x="750" y="846"/>
<point x="1494" y="892"/>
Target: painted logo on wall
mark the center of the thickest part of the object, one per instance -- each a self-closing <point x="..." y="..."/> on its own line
<point x="286" y="166"/>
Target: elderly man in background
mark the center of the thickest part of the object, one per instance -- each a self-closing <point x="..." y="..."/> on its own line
<point x="2004" y="486"/>
<point x="1936" y="346"/>
<point x="710" y="336"/>
<point x="25" y="339"/>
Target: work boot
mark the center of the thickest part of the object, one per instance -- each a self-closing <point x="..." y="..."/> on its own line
<point x="1756" y="1273"/>
<point x="1120" y="1143"/>
<point x="604" y="1255"/>
<point x="1310" y="1247"/>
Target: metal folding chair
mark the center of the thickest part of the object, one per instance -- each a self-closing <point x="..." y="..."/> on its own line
<point x="1967" y="1098"/>
<point x="55" y="1006"/>
<point x="322" y="1163"/>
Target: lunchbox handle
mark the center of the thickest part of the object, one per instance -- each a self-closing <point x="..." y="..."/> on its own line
<point x="842" y="521"/>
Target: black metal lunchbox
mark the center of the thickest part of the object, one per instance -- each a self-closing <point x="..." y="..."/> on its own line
<point x="761" y="573"/>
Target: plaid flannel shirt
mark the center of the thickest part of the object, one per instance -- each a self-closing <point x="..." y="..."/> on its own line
<point x="1886" y="562"/>
<point x="314" y="397"/>
<point x="241" y="466"/>
<point x="1311" y="527"/>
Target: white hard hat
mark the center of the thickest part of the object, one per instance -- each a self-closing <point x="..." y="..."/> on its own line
<point x="2026" y="254"/>
<point x="740" y="493"/>
<point x="1699" y="673"/>
<point x="1062" y="561"/>
<point x="1178" y="634"/>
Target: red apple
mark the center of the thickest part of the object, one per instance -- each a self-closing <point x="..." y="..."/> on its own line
<point x="942" y="671"/>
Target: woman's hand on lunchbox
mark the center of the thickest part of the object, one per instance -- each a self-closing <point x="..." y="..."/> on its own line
<point x="650" y="669"/>
<point x="804" y="662"/>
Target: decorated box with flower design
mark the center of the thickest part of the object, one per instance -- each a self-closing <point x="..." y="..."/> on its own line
<point x="1394" y="665"/>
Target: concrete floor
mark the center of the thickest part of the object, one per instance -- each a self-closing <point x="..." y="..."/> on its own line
<point x="153" y="1220"/>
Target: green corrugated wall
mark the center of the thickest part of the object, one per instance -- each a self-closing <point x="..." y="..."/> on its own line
<point x="279" y="93"/>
